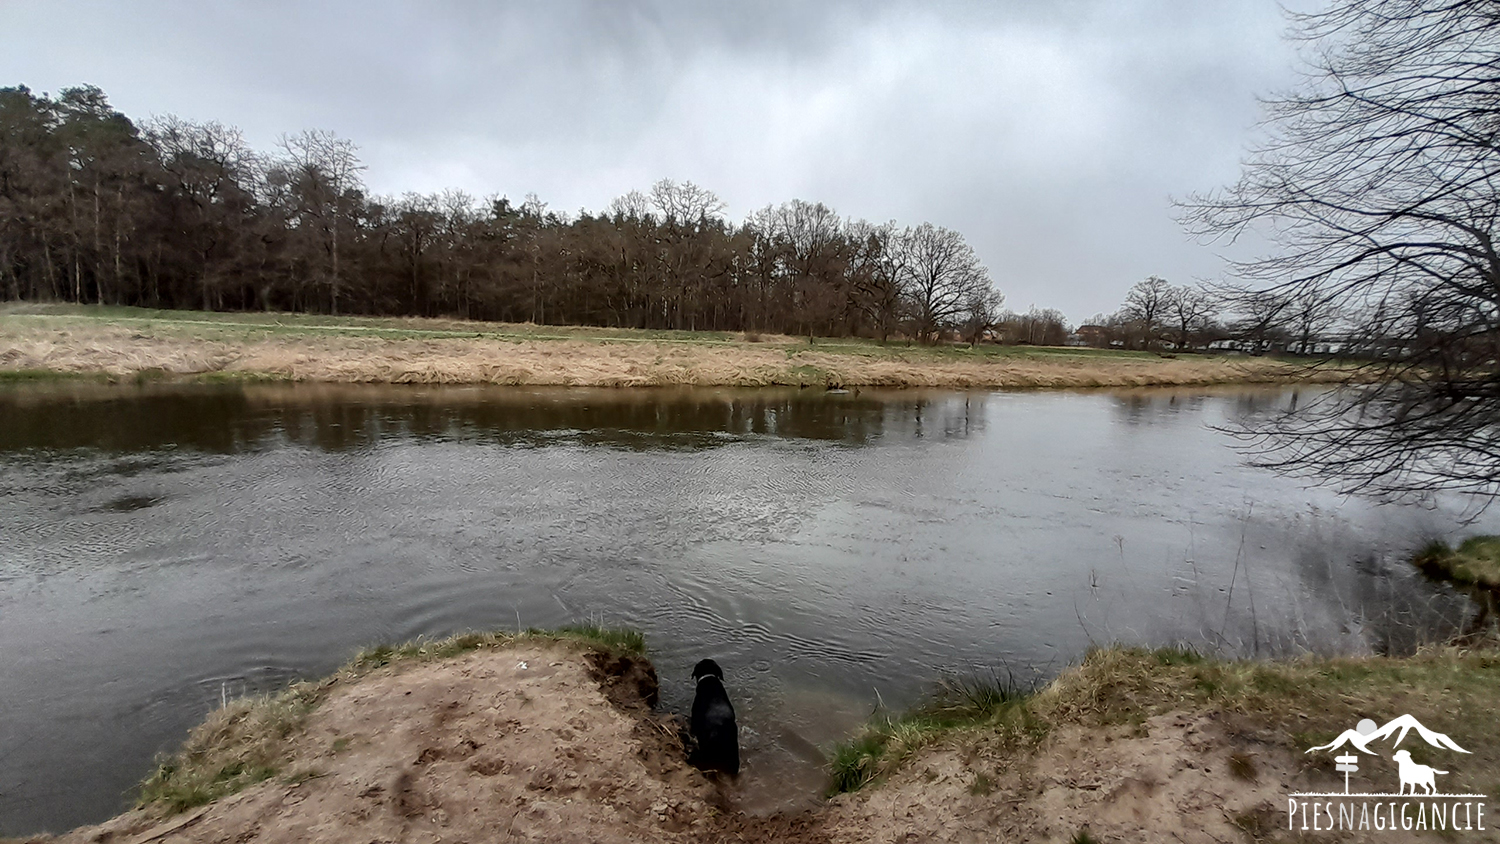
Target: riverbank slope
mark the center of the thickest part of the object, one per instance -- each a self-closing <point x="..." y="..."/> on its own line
<point x="551" y="737"/>
<point x="134" y="343"/>
<point x="536" y="736"/>
<point x="1148" y="745"/>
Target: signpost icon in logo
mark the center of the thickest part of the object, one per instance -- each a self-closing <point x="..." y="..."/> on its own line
<point x="1348" y="765"/>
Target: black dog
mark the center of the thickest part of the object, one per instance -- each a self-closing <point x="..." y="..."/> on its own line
<point x="713" y="726"/>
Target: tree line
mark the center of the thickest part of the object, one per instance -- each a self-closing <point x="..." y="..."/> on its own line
<point x="1157" y="315"/>
<point x="179" y="214"/>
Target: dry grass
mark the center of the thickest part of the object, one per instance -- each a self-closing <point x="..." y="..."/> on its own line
<point x="1298" y="703"/>
<point x="121" y="344"/>
<point x="243" y="743"/>
<point x="995" y="706"/>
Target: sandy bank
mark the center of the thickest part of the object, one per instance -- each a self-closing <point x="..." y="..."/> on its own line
<point x="1167" y="745"/>
<point x="531" y="738"/>
<point x="106" y="344"/>
<point x="525" y="740"/>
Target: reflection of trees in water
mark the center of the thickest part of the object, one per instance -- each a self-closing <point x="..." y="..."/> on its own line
<point x="1372" y="592"/>
<point x="1268" y="582"/>
<point x="1354" y="588"/>
<point x="212" y="420"/>
<point x="1249" y="406"/>
<point x="227" y="420"/>
<point x="1144" y="408"/>
<point x="1353" y="591"/>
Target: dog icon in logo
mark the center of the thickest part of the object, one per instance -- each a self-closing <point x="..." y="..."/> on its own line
<point x="1414" y="775"/>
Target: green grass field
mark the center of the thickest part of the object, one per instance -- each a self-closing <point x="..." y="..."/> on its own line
<point x="216" y="325"/>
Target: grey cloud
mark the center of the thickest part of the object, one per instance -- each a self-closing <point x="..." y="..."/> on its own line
<point x="1050" y="134"/>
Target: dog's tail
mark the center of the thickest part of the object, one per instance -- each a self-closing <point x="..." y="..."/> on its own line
<point x="1436" y="771"/>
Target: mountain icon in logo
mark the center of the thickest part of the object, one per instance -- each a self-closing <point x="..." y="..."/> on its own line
<point x="1366" y="732"/>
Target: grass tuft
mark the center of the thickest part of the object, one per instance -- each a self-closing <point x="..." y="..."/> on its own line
<point x="997" y="705"/>
<point x="856" y="763"/>
<point x="238" y="746"/>
<point x="1476" y="561"/>
<point x="612" y="640"/>
<point x="1178" y="655"/>
<point x="617" y="639"/>
<point x="1242" y="766"/>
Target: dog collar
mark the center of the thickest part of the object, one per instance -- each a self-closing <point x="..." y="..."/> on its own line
<point x="704" y="677"/>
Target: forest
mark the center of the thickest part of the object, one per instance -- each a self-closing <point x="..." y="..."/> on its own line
<point x="176" y="214"/>
<point x="170" y="213"/>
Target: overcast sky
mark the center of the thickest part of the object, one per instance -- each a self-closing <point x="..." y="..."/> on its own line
<point x="1053" y="135"/>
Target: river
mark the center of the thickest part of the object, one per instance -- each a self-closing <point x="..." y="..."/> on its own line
<point x="163" y="548"/>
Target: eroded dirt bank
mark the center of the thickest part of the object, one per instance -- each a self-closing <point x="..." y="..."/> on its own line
<point x="536" y="741"/>
<point x="1171" y="778"/>
<point x="1169" y="745"/>
<point x="541" y="740"/>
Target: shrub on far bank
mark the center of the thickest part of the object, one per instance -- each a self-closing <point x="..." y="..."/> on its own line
<point x="1476" y="561"/>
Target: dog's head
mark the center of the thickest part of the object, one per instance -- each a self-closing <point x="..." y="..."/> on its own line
<point x="1402" y="756"/>
<point x="707" y="668"/>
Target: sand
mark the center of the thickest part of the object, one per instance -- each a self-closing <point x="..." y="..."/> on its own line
<point x="532" y="742"/>
<point x="1168" y="779"/>
<point x="549" y="742"/>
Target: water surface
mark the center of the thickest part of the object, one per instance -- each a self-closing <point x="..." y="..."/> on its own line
<point x="163" y="548"/>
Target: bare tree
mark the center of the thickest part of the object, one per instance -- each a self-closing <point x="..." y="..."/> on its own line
<point x="981" y="313"/>
<point x="1147" y="304"/>
<point x="685" y="203"/>
<point x="213" y="168"/>
<point x="943" y="276"/>
<point x="416" y="222"/>
<point x="632" y="205"/>
<point x="875" y="274"/>
<point x="1381" y="185"/>
<point x="457" y="213"/>
<point x="1257" y="319"/>
<point x="326" y="167"/>
<point x="1311" y="314"/>
<point x="1189" y="312"/>
<point x="1036" y="327"/>
<point x="808" y="255"/>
